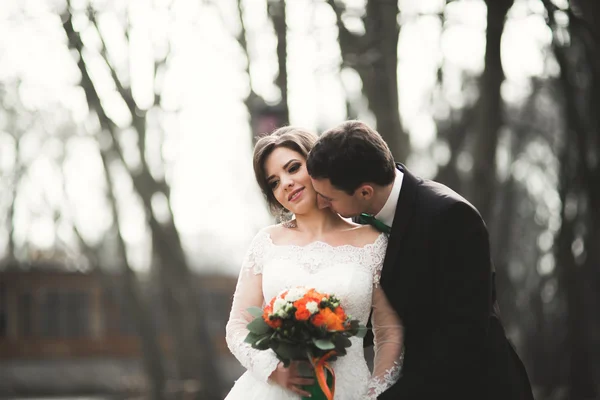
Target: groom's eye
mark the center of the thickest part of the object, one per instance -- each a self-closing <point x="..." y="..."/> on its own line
<point x="325" y="198"/>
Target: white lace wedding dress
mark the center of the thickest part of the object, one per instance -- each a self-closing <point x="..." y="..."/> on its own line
<point x="352" y="274"/>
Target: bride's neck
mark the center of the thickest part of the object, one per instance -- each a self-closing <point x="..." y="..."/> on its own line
<point x="318" y="222"/>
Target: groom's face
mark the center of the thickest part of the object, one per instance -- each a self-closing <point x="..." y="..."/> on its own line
<point x="339" y="201"/>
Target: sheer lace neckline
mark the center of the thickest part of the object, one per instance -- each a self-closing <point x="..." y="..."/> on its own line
<point x="322" y="244"/>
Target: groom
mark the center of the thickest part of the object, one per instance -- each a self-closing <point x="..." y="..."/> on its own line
<point x="437" y="272"/>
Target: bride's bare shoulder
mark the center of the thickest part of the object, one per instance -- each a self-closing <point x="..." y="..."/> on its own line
<point x="278" y="231"/>
<point x="365" y="234"/>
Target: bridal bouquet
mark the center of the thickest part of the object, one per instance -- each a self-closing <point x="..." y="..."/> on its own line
<point x="301" y="324"/>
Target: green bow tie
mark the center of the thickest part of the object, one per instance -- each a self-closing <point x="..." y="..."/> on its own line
<point x="377" y="224"/>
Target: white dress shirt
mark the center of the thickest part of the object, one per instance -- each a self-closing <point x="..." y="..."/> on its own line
<point x="386" y="215"/>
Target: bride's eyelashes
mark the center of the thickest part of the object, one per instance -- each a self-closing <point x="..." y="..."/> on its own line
<point x="291" y="170"/>
<point x="294" y="168"/>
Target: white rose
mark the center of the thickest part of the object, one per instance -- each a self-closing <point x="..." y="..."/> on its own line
<point x="312" y="307"/>
<point x="279" y="307"/>
<point x="295" y="294"/>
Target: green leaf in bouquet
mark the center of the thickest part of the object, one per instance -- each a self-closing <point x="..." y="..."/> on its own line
<point x="258" y="326"/>
<point x="263" y="343"/>
<point x="256" y="312"/>
<point x="340" y="352"/>
<point x="252" y="338"/>
<point x="361" y="332"/>
<point x="324" y="344"/>
<point x="341" y="341"/>
<point x="352" y="328"/>
<point x="286" y="361"/>
<point x="356" y="329"/>
<point x="287" y="351"/>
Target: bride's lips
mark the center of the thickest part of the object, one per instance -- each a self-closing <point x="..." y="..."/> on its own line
<point x="295" y="195"/>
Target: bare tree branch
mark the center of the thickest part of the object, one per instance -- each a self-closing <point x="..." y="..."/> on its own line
<point x="350" y="43"/>
<point x="125" y="93"/>
<point x="490" y="112"/>
<point x="374" y="56"/>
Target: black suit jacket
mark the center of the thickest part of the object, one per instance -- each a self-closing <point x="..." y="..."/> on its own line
<point x="438" y="276"/>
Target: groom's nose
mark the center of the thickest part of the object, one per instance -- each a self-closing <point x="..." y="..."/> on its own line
<point x="322" y="203"/>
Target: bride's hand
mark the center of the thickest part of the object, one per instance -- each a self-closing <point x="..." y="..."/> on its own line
<point x="290" y="378"/>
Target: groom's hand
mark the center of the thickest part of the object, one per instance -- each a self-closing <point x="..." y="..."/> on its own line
<point x="291" y="378"/>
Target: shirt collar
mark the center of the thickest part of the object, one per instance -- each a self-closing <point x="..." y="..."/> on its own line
<point x="386" y="215"/>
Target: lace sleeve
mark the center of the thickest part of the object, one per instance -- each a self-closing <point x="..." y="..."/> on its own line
<point x="378" y="249"/>
<point x="388" y="342"/>
<point x="248" y="292"/>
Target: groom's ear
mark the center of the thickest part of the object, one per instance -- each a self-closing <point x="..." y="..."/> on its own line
<point x="365" y="192"/>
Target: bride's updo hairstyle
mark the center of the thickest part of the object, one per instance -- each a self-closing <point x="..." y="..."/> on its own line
<point x="296" y="139"/>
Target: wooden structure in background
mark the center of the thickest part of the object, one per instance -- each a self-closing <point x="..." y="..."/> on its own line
<point x="61" y="314"/>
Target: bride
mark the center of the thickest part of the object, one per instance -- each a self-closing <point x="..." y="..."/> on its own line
<point x="317" y="249"/>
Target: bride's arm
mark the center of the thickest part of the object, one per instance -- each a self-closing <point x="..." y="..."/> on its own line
<point x="248" y="293"/>
<point x="388" y="341"/>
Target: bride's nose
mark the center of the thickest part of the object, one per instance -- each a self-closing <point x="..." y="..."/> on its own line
<point x="288" y="183"/>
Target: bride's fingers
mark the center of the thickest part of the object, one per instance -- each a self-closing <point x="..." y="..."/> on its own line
<point x="301" y="381"/>
<point x="296" y="389"/>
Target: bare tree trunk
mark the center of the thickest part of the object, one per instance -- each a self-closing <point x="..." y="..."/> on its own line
<point x="579" y="180"/>
<point x="195" y="359"/>
<point x="580" y="378"/>
<point x="455" y="131"/>
<point x="490" y="112"/>
<point x="375" y="57"/>
<point x="138" y="311"/>
<point x="16" y="174"/>
<point x="585" y="23"/>
<point x="380" y="78"/>
<point x="277" y="13"/>
<point x="257" y="107"/>
<point x="10" y="253"/>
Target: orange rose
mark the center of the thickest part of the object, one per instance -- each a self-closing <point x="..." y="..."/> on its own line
<point x="267" y="312"/>
<point x="313" y="295"/>
<point x="274" y="323"/>
<point x="302" y="314"/>
<point x="341" y="314"/>
<point x="327" y="318"/>
<point x="300" y="303"/>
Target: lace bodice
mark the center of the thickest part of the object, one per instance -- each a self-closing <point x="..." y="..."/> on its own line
<point x="352" y="274"/>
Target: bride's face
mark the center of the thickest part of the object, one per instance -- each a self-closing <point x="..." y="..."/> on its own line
<point x="288" y="179"/>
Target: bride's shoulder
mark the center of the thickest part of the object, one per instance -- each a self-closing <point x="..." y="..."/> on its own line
<point x="276" y="231"/>
<point x="365" y="234"/>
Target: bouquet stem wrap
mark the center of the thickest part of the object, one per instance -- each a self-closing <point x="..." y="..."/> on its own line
<point x="325" y="387"/>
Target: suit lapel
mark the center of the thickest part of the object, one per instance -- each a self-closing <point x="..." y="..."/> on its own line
<point x="404" y="212"/>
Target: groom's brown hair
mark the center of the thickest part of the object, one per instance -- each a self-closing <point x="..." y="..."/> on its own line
<point x="350" y="155"/>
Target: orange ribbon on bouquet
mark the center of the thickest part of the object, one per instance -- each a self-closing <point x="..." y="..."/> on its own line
<point x="320" y="365"/>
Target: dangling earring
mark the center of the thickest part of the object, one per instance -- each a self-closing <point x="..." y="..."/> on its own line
<point x="284" y="217"/>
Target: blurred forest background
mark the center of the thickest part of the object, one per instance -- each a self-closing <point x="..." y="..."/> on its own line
<point x="127" y="196"/>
